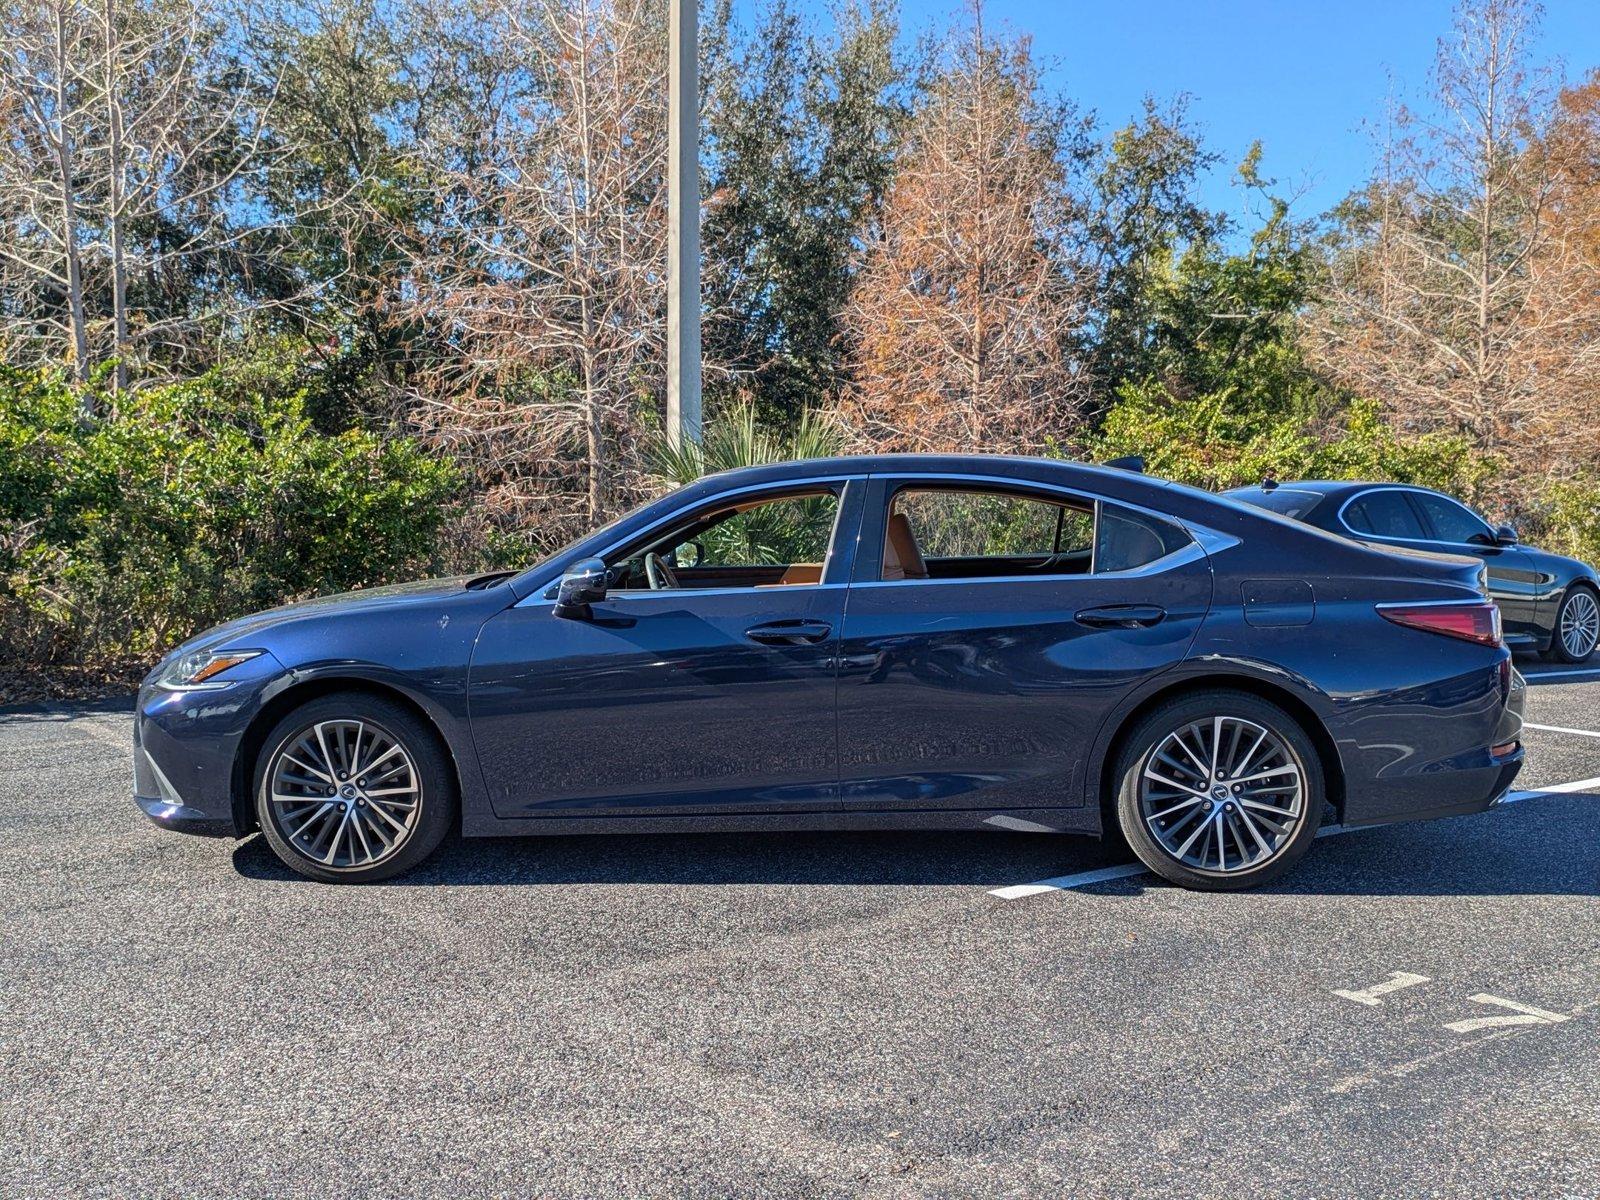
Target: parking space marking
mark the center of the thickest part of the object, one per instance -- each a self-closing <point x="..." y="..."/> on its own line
<point x="1062" y="883"/>
<point x="1372" y="996"/>
<point x="1561" y="729"/>
<point x="1526" y="1015"/>
<point x="1534" y="678"/>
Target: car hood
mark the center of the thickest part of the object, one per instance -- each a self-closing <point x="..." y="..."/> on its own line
<point x="397" y="595"/>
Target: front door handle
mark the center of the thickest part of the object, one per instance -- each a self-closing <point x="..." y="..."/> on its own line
<point x="1123" y="616"/>
<point x="789" y="633"/>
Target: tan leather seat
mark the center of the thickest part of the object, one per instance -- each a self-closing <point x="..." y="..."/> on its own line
<point x="901" y="557"/>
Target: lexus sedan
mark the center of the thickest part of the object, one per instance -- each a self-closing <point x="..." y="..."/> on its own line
<point x="899" y="642"/>
<point x="1548" y="603"/>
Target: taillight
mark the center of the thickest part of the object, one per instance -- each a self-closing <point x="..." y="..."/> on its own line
<point x="1473" y="620"/>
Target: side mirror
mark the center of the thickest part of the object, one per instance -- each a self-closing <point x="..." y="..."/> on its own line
<point x="583" y="584"/>
<point x="1504" y="535"/>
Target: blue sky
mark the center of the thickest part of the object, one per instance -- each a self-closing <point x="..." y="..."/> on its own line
<point x="1301" y="75"/>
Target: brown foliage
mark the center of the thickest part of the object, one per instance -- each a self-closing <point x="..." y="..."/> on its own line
<point x="966" y="303"/>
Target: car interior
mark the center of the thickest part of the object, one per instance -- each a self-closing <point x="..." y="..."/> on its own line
<point x="931" y="533"/>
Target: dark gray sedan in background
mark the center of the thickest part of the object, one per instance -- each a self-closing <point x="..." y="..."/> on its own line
<point x="1548" y="603"/>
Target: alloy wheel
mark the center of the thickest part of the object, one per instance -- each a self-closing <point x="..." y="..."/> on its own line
<point x="1222" y="795"/>
<point x="1580" y="625"/>
<point x="344" y="793"/>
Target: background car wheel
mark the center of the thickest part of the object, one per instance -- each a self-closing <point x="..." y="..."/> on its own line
<point x="1219" y="790"/>
<point x="1577" y="626"/>
<point x="353" y="788"/>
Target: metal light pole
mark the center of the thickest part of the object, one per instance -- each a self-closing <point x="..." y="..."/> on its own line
<point x="683" y="225"/>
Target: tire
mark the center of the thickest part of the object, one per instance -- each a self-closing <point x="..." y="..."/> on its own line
<point x="341" y="825"/>
<point x="1241" y="837"/>
<point x="1577" y="626"/>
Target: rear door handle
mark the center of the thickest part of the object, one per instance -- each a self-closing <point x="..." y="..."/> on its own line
<point x="789" y="633"/>
<point x="1123" y="616"/>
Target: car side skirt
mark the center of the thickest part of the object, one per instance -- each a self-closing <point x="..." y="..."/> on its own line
<point x="1079" y="820"/>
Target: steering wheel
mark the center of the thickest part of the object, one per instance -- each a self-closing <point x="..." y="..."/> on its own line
<point x="660" y="574"/>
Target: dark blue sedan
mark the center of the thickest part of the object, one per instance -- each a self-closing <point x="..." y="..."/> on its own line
<point x="893" y="642"/>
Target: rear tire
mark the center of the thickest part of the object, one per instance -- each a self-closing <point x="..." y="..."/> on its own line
<point x="1577" y="626"/>
<point x="1219" y="790"/>
<point x="354" y="788"/>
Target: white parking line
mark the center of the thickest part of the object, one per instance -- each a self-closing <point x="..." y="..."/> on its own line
<point x="1561" y="729"/>
<point x="1538" y="675"/>
<point x="1062" y="883"/>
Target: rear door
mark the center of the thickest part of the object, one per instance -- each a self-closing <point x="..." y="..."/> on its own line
<point x="979" y="676"/>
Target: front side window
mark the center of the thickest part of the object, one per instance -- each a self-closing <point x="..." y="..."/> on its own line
<point x="1384" y="514"/>
<point x="781" y="541"/>
<point x="957" y="533"/>
<point x="1452" y="522"/>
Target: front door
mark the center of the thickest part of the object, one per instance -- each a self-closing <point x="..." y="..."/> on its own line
<point x="988" y="638"/>
<point x="703" y="683"/>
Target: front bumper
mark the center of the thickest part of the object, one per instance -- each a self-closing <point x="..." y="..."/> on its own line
<point x="183" y="819"/>
<point x="186" y="751"/>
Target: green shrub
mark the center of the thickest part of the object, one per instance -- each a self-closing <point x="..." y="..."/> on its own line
<point x="188" y="504"/>
<point x="1570" y="520"/>
<point x="1214" y="442"/>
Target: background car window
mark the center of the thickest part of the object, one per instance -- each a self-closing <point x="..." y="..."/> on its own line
<point x="1285" y="501"/>
<point x="1384" y="514"/>
<point x="1450" y="521"/>
<point x="959" y="524"/>
<point x="1128" y="540"/>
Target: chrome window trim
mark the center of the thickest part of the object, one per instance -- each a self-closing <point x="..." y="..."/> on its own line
<point x="539" y="599"/>
<point x="1385" y="537"/>
<point x="1205" y="540"/>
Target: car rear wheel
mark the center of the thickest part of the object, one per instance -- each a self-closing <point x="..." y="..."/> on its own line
<point x="353" y="788"/>
<point x="1577" y="626"/>
<point x="1219" y="790"/>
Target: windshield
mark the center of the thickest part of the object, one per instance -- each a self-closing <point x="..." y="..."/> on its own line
<point x="1287" y="502"/>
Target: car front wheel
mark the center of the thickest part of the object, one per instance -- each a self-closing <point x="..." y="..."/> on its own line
<point x="1577" y="626"/>
<point x="353" y="788"/>
<point x="1219" y="790"/>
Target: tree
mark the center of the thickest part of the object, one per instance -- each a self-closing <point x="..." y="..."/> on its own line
<point x="131" y="178"/>
<point x="1433" y="304"/>
<point x="968" y="302"/>
<point x="540" y="271"/>
<point x="1143" y="214"/>
<point x="800" y="139"/>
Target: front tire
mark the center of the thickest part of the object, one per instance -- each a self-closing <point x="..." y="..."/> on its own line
<point x="354" y="788"/>
<point x="1219" y="790"/>
<point x="1577" y="626"/>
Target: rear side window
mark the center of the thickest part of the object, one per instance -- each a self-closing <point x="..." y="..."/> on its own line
<point x="1284" y="501"/>
<point x="1451" y="521"/>
<point x="961" y="524"/>
<point x="1127" y="540"/>
<point x="953" y="533"/>
<point x="1384" y="514"/>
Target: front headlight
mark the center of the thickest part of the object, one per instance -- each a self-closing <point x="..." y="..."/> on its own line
<point x="197" y="671"/>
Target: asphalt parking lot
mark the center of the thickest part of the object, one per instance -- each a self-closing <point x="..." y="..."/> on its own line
<point x="1414" y="1011"/>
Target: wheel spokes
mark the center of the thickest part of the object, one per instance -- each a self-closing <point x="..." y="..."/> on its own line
<point x="1223" y="794"/>
<point x="331" y="805"/>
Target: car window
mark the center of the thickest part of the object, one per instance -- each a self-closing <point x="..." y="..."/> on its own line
<point x="1126" y="540"/>
<point x="971" y="524"/>
<point x="764" y="543"/>
<point x="969" y="534"/>
<point x="1384" y="514"/>
<point x="1451" y="522"/>
<point x="1285" y="501"/>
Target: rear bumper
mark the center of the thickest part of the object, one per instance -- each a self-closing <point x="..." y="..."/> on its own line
<point x="1495" y="780"/>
